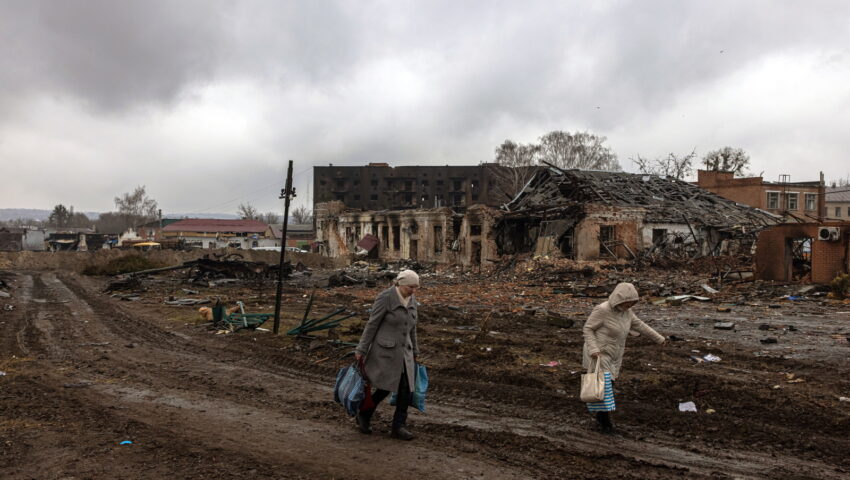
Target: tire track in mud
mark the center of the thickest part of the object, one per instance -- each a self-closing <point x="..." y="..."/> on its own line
<point x="467" y="424"/>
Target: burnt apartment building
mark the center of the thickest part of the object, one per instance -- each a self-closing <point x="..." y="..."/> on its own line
<point x="378" y="186"/>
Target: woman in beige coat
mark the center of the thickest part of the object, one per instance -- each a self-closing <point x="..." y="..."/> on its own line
<point x="389" y="350"/>
<point x="605" y="335"/>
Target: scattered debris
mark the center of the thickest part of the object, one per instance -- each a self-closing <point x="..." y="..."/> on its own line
<point x="126" y="442"/>
<point x="687" y="407"/>
<point x="709" y="289"/>
<point x="844" y="399"/>
<point x="769" y="340"/>
<point x="711" y="358"/>
<point x="187" y="301"/>
<point x="8" y="308"/>
<point x="723" y="309"/>
<point x="724" y="325"/>
<point x="4" y="294"/>
<point x="553" y="363"/>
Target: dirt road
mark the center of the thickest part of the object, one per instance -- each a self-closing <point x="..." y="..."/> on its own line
<point x="85" y="372"/>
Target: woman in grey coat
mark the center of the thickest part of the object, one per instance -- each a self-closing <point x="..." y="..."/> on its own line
<point x="389" y="347"/>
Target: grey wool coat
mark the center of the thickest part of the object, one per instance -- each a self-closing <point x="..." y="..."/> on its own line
<point x="389" y="341"/>
<point x="606" y="330"/>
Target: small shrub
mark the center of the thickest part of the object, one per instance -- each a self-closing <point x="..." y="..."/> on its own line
<point x="128" y="264"/>
<point x="840" y="285"/>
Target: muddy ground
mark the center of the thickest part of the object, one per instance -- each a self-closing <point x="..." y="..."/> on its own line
<point x="84" y="371"/>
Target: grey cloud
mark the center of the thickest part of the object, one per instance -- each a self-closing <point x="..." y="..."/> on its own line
<point x="110" y="55"/>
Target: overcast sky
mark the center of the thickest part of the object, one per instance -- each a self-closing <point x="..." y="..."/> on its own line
<point x="204" y="101"/>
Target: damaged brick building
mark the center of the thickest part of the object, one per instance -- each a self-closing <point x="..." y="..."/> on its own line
<point x="439" y="235"/>
<point x="588" y="215"/>
<point x="379" y="186"/>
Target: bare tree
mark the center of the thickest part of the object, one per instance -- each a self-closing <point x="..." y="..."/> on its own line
<point x="676" y="166"/>
<point x="727" y="159"/>
<point x="246" y="211"/>
<point x="301" y="214"/>
<point x="137" y="204"/>
<point x="270" y="218"/>
<point x="519" y="164"/>
<point x="581" y="150"/>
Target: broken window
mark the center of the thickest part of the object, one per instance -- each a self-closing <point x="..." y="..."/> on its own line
<point x="457" y="185"/>
<point x="457" y="199"/>
<point x="474" y="197"/>
<point x="385" y="236"/>
<point x="414" y="249"/>
<point x="438" y="239"/>
<point x="475" y="229"/>
<point x="424" y="183"/>
<point x="606" y="236"/>
<point x="791" y="203"/>
<point x="772" y="200"/>
<point x="374" y="183"/>
<point x="439" y="183"/>
<point x="340" y="196"/>
<point x="408" y="198"/>
<point x="838" y="211"/>
<point x="356" y="196"/>
<point x="373" y="197"/>
<point x="659" y="235"/>
<point x="408" y="185"/>
<point x="396" y="237"/>
<point x="340" y="183"/>
<point x="414" y="228"/>
<point x="810" y="201"/>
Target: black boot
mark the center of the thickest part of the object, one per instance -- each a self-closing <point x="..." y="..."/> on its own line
<point x="364" y="421"/>
<point x="401" y="433"/>
<point x="604" y="421"/>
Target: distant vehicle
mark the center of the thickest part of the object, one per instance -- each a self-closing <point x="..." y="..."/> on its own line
<point x="266" y="249"/>
<point x="295" y="249"/>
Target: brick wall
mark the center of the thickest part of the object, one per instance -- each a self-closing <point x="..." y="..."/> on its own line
<point x="753" y="191"/>
<point x="828" y="258"/>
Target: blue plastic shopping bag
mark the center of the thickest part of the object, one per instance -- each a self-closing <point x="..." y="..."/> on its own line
<point x="349" y="389"/>
<point x="420" y="386"/>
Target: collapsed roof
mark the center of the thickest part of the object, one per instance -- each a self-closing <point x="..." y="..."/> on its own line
<point x="666" y="199"/>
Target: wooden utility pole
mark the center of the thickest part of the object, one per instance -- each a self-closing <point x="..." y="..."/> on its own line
<point x="286" y="194"/>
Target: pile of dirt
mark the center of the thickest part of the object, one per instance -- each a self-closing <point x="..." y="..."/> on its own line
<point x="128" y="264"/>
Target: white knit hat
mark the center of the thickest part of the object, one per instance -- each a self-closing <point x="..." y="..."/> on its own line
<point x="407" y="277"/>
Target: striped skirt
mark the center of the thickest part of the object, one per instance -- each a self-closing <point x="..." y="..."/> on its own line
<point x="607" y="403"/>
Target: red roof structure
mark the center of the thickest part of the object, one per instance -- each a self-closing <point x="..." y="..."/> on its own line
<point x="211" y="225"/>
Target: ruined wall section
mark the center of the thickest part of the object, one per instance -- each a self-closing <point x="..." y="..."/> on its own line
<point x="625" y="222"/>
<point x="829" y="258"/>
<point x="477" y="239"/>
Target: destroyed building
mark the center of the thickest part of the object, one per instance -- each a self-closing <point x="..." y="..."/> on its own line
<point x="379" y="186"/>
<point x="809" y="252"/>
<point x="589" y="215"/>
<point x="439" y="235"/>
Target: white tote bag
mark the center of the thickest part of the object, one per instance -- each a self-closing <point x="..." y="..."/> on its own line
<point x="593" y="385"/>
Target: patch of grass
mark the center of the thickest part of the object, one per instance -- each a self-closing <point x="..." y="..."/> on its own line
<point x="128" y="264"/>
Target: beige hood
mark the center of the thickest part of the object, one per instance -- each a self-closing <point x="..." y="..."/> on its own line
<point x="623" y="292"/>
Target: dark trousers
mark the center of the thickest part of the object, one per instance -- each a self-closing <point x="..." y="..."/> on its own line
<point x="402" y="401"/>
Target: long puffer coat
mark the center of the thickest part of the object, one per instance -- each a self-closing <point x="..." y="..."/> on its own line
<point x="606" y="330"/>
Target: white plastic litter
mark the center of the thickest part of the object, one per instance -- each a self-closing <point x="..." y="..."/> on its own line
<point x="711" y="358"/>
<point x="687" y="407"/>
